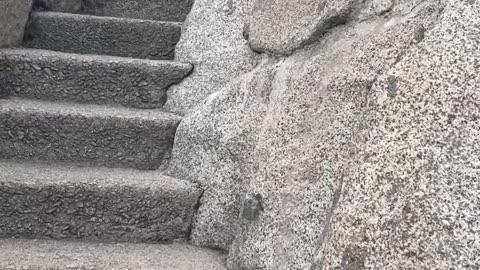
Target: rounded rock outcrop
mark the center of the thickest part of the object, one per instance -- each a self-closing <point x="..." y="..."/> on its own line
<point x="279" y="27"/>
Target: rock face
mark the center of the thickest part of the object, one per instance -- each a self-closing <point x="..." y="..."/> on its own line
<point x="280" y="27"/>
<point x="13" y="17"/>
<point x="213" y="41"/>
<point x="413" y="200"/>
<point x="219" y="159"/>
<point x="360" y="151"/>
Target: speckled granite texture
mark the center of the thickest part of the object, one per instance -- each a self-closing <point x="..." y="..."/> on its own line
<point x="279" y="27"/>
<point x="359" y="151"/>
<point x="214" y="40"/>
<point x="413" y="201"/>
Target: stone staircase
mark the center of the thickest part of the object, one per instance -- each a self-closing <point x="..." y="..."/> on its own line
<point x="83" y="139"/>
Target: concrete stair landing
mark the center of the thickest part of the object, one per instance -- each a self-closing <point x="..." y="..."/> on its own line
<point x="17" y="254"/>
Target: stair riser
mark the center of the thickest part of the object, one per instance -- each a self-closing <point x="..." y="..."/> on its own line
<point x="105" y="141"/>
<point x="58" y="78"/>
<point x="88" y="211"/>
<point x="162" y="10"/>
<point x="102" y="36"/>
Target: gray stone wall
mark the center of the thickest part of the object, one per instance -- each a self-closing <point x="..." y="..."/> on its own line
<point x="13" y="17"/>
<point x="351" y="145"/>
<point x="213" y="40"/>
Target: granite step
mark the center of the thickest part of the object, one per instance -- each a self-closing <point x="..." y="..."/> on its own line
<point x="56" y="76"/>
<point x="68" y="202"/>
<point x="62" y="255"/>
<point x="163" y="10"/>
<point x="87" y="34"/>
<point x="85" y="134"/>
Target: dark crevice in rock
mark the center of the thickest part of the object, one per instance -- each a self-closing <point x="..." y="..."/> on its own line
<point x="196" y="207"/>
<point x="339" y="20"/>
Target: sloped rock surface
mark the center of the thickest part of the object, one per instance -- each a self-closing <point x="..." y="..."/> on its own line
<point x="219" y="159"/>
<point x="212" y="39"/>
<point x="280" y="27"/>
<point x="412" y="202"/>
<point x="357" y="152"/>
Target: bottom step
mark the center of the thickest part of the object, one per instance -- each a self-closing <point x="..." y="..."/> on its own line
<point x="59" y="255"/>
<point x="47" y="201"/>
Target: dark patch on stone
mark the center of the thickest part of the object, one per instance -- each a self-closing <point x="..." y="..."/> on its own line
<point x="40" y="5"/>
<point x="353" y="259"/>
<point x="419" y="34"/>
<point x="246" y="31"/>
<point x="392" y="86"/>
<point x="252" y="207"/>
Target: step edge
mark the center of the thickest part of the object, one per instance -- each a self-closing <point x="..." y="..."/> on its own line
<point x="105" y="59"/>
<point x="29" y="106"/>
<point x="54" y="14"/>
<point x="34" y="173"/>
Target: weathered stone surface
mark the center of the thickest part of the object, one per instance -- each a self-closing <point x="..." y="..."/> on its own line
<point x="93" y="203"/>
<point x="413" y="201"/>
<point x="310" y="138"/>
<point x="102" y="35"/>
<point x="85" y="134"/>
<point x="68" y="255"/>
<point x="212" y="40"/>
<point x="13" y="17"/>
<point x="382" y="6"/>
<point x="219" y="159"/>
<point x="358" y="152"/>
<point x="280" y="27"/>
<point x="55" y="76"/>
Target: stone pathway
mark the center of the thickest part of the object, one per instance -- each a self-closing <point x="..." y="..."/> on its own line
<point x="83" y="139"/>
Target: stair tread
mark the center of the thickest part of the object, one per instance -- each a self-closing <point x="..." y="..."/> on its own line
<point x="95" y="79"/>
<point x="53" y="14"/>
<point x="34" y="172"/>
<point x="33" y="52"/>
<point x="169" y="10"/>
<point x="86" y="110"/>
<point x="53" y="201"/>
<point x="89" y="34"/>
<point x="85" y="134"/>
<point x="51" y="254"/>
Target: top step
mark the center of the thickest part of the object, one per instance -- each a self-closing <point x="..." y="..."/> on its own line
<point x="162" y="10"/>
